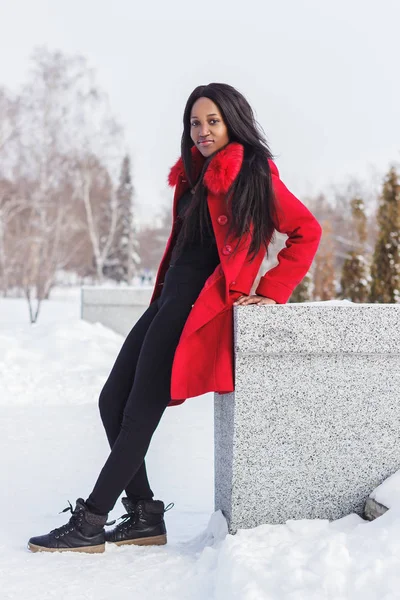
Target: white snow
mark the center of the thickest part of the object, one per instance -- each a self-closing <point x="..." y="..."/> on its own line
<point x="388" y="493"/>
<point x="52" y="446"/>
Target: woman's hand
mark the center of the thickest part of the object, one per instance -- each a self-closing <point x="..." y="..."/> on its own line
<point x="254" y="299"/>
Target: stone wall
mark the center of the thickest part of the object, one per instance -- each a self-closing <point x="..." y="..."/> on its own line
<point x="118" y="308"/>
<point x="314" y="423"/>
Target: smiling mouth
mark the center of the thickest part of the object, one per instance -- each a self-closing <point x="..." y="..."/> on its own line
<point x="205" y="142"/>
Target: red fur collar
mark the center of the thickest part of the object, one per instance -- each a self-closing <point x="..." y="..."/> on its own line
<point x="222" y="171"/>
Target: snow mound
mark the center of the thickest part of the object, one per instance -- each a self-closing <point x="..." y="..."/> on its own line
<point x="388" y="493"/>
<point x="54" y="361"/>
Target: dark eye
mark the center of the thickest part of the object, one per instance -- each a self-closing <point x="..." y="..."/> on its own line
<point x="214" y="120"/>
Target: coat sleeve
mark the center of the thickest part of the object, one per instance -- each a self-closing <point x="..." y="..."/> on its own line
<point x="304" y="234"/>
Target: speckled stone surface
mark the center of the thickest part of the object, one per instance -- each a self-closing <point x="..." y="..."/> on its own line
<point x="314" y="423"/>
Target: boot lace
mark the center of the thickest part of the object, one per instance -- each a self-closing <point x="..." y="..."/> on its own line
<point x="128" y="520"/>
<point x="76" y="519"/>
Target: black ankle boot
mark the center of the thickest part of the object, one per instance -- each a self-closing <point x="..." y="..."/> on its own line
<point x="84" y="532"/>
<point x="143" y="524"/>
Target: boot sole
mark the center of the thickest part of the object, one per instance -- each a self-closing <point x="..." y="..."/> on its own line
<point x="155" y="540"/>
<point x="88" y="549"/>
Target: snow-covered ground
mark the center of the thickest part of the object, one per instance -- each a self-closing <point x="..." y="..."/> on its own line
<point x="52" y="446"/>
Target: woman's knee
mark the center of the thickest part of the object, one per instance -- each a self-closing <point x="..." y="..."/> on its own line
<point x="107" y="407"/>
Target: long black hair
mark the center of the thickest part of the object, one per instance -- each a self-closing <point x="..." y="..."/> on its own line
<point x="251" y="195"/>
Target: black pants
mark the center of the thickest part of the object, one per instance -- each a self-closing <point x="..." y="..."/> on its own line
<point x="137" y="390"/>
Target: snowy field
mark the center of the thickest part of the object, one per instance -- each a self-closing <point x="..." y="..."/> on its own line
<point x="52" y="446"/>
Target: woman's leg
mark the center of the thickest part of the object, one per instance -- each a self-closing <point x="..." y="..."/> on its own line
<point x="115" y="393"/>
<point x="148" y="398"/>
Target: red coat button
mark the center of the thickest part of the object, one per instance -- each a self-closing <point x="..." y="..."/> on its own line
<point x="227" y="249"/>
<point x="222" y="219"/>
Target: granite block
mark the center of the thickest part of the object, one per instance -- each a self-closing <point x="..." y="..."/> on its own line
<point x="313" y="425"/>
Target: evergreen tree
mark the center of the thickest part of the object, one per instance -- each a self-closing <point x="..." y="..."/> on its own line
<point x="123" y="257"/>
<point x="354" y="279"/>
<point x="324" y="266"/>
<point x="303" y="291"/>
<point x="385" y="267"/>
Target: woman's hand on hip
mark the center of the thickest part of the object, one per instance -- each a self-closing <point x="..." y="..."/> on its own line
<point x="254" y="299"/>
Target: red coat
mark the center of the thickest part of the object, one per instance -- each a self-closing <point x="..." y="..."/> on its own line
<point x="204" y="357"/>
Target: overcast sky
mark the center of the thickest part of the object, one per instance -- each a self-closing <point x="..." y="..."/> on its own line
<point x="321" y="75"/>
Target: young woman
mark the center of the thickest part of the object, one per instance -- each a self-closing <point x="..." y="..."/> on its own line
<point x="228" y="201"/>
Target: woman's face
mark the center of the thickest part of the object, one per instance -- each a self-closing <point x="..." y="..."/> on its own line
<point x="207" y="128"/>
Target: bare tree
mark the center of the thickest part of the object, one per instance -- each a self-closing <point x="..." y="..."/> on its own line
<point x="38" y="241"/>
<point x="63" y="154"/>
<point x="94" y="187"/>
<point x="11" y="207"/>
<point x="153" y="238"/>
<point x="8" y="121"/>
